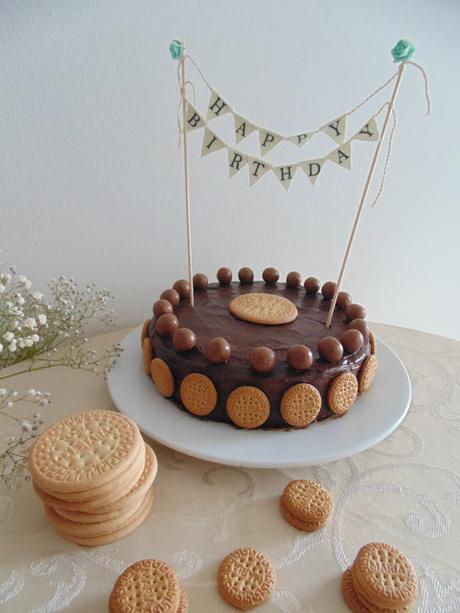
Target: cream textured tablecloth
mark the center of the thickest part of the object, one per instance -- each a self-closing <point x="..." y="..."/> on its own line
<point x="405" y="491"/>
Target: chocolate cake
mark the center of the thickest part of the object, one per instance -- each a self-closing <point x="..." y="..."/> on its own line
<point x="267" y="335"/>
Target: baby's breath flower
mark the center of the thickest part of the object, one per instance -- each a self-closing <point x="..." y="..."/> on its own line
<point x="42" y="319"/>
<point x="8" y="336"/>
<point x="30" y="322"/>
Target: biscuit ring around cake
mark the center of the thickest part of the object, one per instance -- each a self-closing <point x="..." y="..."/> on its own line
<point x="300" y="405"/>
<point x="367" y="373"/>
<point x="248" y="407"/>
<point x="147" y="353"/>
<point x="373" y="343"/>
<point x="198" y="394"/>
<point x="385" y="576"/>
<point x="145" y="331"/>
<point x="342" y="393"/>
<point x="162" y="377"/>
<point x="146" y="585"/>
<point x="245" y="578"/>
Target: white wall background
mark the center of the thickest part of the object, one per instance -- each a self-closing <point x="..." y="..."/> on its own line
<point x="91" y="177"/>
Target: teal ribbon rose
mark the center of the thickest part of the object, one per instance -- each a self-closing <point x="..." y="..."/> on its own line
<point x="403" y="50"/>
<point x="176" y="49"/>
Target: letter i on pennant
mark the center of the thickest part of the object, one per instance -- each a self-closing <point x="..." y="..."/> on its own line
<point x="216" y="106"/>
<point x="211" y="143"/>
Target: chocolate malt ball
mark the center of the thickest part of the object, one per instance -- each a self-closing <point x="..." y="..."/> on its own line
<point x="294" y="279"/>
<point x="262" y="359"/>
<point x="200" y="281"/>
<point x="355" y="311"/>
<point x="270" y="275"/>
<point x="245" y="275"/>
<point x="161" y="307"/>
<point x="330" y="349"/>
<point x="172" y="296"/>
<point x="184" y="339"/>
<point x="352" y="340"/>
<point x="183" y="287"/>
<point x="218" y="350"/>
<point x="361" y="325"/>
<point x="224" y="276"/>
<point x="167" y="324"/>
<point x="299" y="357"/>
<point x="328" y="290"/>
<point x="343" y="300"/>
<point x="312" y="285"/>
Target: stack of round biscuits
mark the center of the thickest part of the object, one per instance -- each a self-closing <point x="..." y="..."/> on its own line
<point x="94" y="474"/>
<point x="381" y="580"/>
<point x="306" y="505"/>
<point x="150" y="586"/>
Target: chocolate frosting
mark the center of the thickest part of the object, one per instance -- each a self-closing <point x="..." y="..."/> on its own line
<point x="210" y="318"/>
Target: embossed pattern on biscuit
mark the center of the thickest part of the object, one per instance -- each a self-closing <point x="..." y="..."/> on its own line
<point x="198" y="394"/>
<point x="260" y="308"/>
<point x="342" y="393"/>
<point x="300" y="405"/>
<point x="307" y="500"/>
<point x="84" y="451"/>
<point x="248" y="407"/>
<point x="246" y="578"/>
<point x="367" y="373"/>
<point x="162" y="377"/>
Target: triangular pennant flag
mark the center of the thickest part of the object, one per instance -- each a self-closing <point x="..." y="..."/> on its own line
<point x="312" y="168"/>
<point x="193" y="121"/>
<point x="342" y="155"/>
<point x="216" y="106"/>
<point x="268" y="140"/>
<point x="285" y="174"/>
<point x="257" y="168"/>
<point x="299" y="139"/>
<point x="211" y="143"/>
<point x="336" y="129"/>
<point x="369" y="132"/>
<point x="243" y="128"/>
<point x="236" y="161"/>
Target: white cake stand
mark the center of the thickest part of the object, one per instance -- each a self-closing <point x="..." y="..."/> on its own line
<point x="373" y="417"/>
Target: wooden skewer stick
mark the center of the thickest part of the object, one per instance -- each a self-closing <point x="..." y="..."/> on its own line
<point x="364" y="195"/>
<point x="186" y="180"/>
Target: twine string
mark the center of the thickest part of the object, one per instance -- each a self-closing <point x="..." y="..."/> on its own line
<point x="426" y="84"/>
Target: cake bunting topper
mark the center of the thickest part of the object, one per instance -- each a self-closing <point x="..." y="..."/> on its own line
<point x="257" y="167"/>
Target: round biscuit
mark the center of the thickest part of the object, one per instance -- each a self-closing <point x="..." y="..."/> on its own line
<point x="198" y="394"/>
<point x="84" y="451"/>
<point x="297" y="523"/>
<point x="373" y="343"/>
<point x="147" y="352"/>
<point x="145" y="331"/>
<point x="147" y="585"/>
<point x="385" y="576"/>
<point x="367" y="373"/>
<point x="183" y="602"/>
<point x="307" y="500"/>
<point x="265" y="309"/>
<point x="248" y="407"/>
<point x="246" y="578"/>
<point x="342" y="393"/>
<point x="300" y="405"/>
<point x="349" y="595"/>
<point x="95" y="541"/>
<point x="162" y="377"/>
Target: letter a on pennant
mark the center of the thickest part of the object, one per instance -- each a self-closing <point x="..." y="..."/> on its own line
<point x="243" y="128"/>
<point x="336" y="129"/>
<point x="257" y="169"/>
<point x="236" y="161"/>
<point x="285" y="174"/>
<point x="268" y="140"/>
<point x="342" y="155"/>
<point x="193" y="120"/>
<point x="216" y="106"/>
<point x="211" y="143"/>
<point x="312" y="168"/>
<point x="369" y="132"/>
